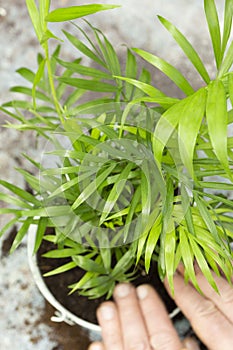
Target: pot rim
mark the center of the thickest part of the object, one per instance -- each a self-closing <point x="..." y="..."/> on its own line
<point x="66" y="314"/>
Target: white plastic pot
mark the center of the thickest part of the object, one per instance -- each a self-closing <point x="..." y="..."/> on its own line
<point x="62" y="314"/>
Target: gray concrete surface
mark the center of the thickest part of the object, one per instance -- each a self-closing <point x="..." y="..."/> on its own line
<point x="24" y="316"/>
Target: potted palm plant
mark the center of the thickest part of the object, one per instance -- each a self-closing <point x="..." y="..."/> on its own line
<point x="131" y="181"/>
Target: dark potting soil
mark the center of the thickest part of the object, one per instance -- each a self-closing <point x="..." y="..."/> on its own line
<point x="85" y="308"/>
<point x="78" y="304"/>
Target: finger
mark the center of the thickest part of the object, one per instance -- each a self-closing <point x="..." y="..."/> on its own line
<point x="190" y="344"/>
<point x="161" y="332"/>
<point x="135" y="335"/>
<point x="212" y="327"/>
<point x="96" y="346"/>
<point x="109" y="322"/>
<point x="223" y="300"/>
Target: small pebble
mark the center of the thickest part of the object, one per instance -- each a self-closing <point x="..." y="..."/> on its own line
<point x="3" y="12"/>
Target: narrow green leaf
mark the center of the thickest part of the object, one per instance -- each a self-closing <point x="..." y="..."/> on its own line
<point x="78" y="44"/>
<point x="168" y="70"/>
<point x="61" y="269"/>
<point x="152" y="240"/>
<point x="214" y="29"/>
<point x="189" y="127"/>
<point x="18" y="104"/>
<point x="9" y="225"/>
<point x="206" y="216"/>
<point x="6" y="198"/>
<point x="167" y="125"/>
<point x="60" y="171"/>
<point x="61" y="89"/>
<point x="69" y="13"/>
<point x="230" y="87"/>
<point x="167" y="223"/>
<point x="146" y="88"/>
<point x="35" y="18"/>
<point x="99" y="291"/>
<point x="33" y="181"/>
<point x="64" y="187"/>
<point x="124" y="263"/>
<point x="91" y="85"/>
<point x="90" y="106"/>
<point x="142" y="237"/>
<point x="29" y="92"/>
<point x="49" y="35"/>
<point x="215" y="252"/>
<point x="62" y="253"/>
<point x="87" y="276"/>
<point x="170" y="244"/>
<point x="42" y="225"/>
<point x="111" y="57"/>
<point x="26" y="74"/>
<point x="227" y="62"/>
<point x="165" y="102"/>
<point x="38" y="76"/>
<point x="131" y="212"/>
<point x="73" y="98"/>
<point x="187" y="257"/>
<point x="216" y="185"/>
<point x="227" y="24"/>
<point x="44" y="7"/>
<point x="219" y="199"/>
<point x="21" y="233"/>
<point x="36" y="164"/>
<point x="105" y="250"/>
<point x="186" y="199"/>
<point x="96" y="281"/>
<point x="16" y="212"/>
<point x="177" y="256"/>
<point x="53" y="211"/>
<point x="130" y="72"/>
<point x="202" y="263"/>
<point x="78" y="155"/>
<point x="88" y="264"/>
<point x="108" y="52"/>
<point x="187" y="48"/>
<point x="20" y="192"/>
<point x="217" y="119"/>
<point x="89" y="38"/>
<point x="211" y="262"/>
<point x="116" y="191"/>
<point x="145" y="76"/>
<point x="92" y="187"/>
<point x="146" y="194"/>
<point x="84" y="70"/>
<point x="131" y="65"/>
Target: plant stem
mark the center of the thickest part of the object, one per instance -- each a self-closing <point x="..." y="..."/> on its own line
<point x="51" y="82"/>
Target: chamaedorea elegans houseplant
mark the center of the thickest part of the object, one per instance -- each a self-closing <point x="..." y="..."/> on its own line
<point x="130" y="175"/>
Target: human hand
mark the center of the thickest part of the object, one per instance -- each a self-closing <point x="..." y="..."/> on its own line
<point x="210" y="314"/>
<point x="138" y="319"/>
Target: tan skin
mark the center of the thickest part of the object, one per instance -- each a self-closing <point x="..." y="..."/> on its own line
<point x="146" y="324"/>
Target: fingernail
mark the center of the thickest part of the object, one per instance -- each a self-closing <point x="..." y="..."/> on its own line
<point x="96" y="346"/>
<point x="107" y="312"/>
<point x="123" y="290"/>
<point x="142" y="292"/>
<point x="190" y="344"/>
<point x="153" y="342"/>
